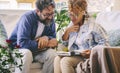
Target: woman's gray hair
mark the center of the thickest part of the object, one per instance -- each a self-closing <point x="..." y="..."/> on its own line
<point x="41" y="4"/>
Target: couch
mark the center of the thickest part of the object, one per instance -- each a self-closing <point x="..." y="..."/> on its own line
<point x="107" y="59"/>
<point x="109" y="20"/>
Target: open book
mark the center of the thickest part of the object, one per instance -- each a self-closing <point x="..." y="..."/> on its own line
<point x="72" y="53"/>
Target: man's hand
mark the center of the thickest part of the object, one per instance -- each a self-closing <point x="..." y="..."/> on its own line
<point x="86" y="53"/>
<point x="52" y="43"/>
<point x="42" y="42"/>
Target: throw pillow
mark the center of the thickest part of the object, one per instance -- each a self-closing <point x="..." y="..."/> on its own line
<point x="114" y="37"/>
<point x="3" y="35"/>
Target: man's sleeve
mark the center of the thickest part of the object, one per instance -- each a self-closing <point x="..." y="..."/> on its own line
<point x="24" y="35"/>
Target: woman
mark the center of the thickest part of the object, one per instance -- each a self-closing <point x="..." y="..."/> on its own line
<point x="81" y="34"/>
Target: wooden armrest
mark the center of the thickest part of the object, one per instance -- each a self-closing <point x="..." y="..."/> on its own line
<point x="113" y="59"/>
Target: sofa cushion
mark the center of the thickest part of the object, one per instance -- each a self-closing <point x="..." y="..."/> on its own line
<point x="3" y="35"/>
<point x="114" y="37"/>
<point x="110" y="21"/>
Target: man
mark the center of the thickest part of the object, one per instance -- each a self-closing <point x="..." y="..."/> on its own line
<point x="36" y="31"/>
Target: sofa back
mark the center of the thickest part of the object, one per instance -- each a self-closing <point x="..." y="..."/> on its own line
<point x="9" y="18"/>
<point x="110" y="21"/>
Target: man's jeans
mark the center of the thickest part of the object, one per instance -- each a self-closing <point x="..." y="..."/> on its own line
<point x="46" y="58"/>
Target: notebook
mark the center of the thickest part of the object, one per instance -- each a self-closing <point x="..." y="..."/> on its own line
<point x="72" y="53"/>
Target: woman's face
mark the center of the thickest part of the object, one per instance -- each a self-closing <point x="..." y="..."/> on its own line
<point x="75" y="17"/>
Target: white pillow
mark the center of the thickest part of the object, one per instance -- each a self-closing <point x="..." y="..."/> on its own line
<point x="110" y="21"/>
<point x="3" y="35"/>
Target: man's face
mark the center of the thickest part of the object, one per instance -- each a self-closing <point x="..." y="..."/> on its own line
<point x="46" y="15"/>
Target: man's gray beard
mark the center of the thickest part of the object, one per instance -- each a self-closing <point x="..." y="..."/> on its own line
<point x="45" y="22"/>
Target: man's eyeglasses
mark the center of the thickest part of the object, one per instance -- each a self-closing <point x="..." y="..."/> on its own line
<point x="48" y="15"/>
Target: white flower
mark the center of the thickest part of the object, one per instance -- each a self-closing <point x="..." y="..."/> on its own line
<point x="7" y="66"/>
<point x="4" y="58"/>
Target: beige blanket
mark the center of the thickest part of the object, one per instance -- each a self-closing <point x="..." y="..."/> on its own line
<point x="102" y="60"/>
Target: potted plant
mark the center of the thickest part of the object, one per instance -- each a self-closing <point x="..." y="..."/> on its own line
<point x="62" y="20"/>
<point x="8" y="58"/>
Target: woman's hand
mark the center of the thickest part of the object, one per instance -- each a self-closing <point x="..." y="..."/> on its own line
<point x="73" y="28"/>
<point x="86" y="53"/>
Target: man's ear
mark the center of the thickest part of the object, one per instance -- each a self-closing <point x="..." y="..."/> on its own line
<point x="38" y="11"/>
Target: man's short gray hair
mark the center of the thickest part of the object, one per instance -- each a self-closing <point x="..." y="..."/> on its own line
<point x="41" y="4"/>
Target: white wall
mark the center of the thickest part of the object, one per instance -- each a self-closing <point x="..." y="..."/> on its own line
<point x="116" y="6"/>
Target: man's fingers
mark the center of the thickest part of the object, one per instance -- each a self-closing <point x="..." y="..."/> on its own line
<point x="37" y="40"/>
<point x="39" y="44"/>
<point x="43" y="44"/>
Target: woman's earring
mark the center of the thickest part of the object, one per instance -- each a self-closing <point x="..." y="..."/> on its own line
<point x="86" y="14"/>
